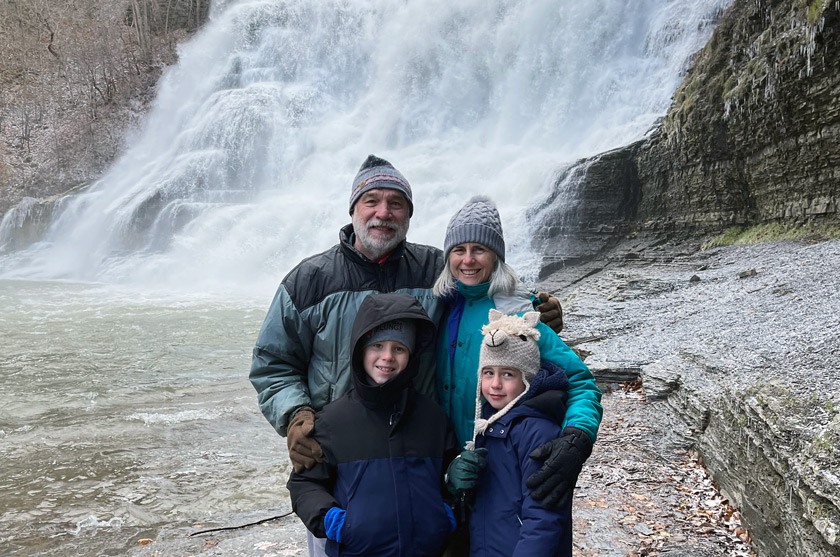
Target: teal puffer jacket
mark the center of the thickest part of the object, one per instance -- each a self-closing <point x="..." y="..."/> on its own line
<point x="459" y="344"/>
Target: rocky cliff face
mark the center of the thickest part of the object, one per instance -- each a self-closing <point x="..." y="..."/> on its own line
<point x="740" y="345"/>
<point x="753" y="136"/>
<point x="754" y="133"/>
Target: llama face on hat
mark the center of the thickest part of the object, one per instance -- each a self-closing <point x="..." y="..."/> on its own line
<point x="511" y="341"/>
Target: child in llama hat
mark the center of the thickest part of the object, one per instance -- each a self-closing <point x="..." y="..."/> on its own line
<point x="516" y="412"/>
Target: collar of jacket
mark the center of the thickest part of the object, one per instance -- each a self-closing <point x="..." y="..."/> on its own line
<point x="346" y="238"/>
<point x="473" y="291"/>
<point x="392" y="404"/>
<point x="506" y="420"/>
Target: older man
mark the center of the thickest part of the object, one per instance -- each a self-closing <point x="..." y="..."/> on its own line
<point x="301" y="360"/>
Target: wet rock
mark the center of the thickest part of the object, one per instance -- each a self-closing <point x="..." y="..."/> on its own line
<point x="660" y="381"/>
<point x="752" y="137"/>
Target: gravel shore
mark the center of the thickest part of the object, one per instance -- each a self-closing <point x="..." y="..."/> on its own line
<point x="754" y="311"/>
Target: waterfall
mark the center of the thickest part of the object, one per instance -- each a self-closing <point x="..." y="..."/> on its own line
<point x="244" y="163"/>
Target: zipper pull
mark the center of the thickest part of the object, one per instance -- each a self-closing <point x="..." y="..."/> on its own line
<point x="394" y="417"/>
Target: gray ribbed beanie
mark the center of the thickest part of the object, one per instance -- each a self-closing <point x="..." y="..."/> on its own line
<point x="477" y="222"/>
<point x="379" y="173"/>
<point x="400" y="330"/>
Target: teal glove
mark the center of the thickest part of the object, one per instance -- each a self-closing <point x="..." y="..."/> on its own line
<point x="463" y="472"/>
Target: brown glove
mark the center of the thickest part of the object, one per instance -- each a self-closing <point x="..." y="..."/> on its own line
<point x="304" y="451"/>
<point x="551" y="313"/>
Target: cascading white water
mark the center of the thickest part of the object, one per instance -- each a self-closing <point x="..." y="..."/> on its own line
<point x="245" y="162"/>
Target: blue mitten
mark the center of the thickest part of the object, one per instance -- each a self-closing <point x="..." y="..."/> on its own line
<point x="334" y="522"/>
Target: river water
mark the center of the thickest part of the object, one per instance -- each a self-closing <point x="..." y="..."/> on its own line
<point x="122" y="412"/>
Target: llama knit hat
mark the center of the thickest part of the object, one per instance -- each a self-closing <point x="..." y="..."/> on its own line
<point x="509" y="341"/>
<point x="379" y="173"/>
<point x="478" y="221"/>
<point x="400" y="330"/>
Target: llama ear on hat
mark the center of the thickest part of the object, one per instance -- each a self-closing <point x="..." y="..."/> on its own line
<point x="495" y="315"/>
<point x="531" y="318"/>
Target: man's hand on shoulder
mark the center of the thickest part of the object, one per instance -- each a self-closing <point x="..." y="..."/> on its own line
<point x="551" y="312"/>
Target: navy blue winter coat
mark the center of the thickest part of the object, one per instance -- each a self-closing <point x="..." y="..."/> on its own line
<point x="506" y="521"/>
<point x="386" y="448"/>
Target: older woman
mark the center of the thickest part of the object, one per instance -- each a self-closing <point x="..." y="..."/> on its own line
<point x="474" y="280"/>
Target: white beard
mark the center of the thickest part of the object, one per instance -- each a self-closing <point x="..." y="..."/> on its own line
<point x="378" y="247"/>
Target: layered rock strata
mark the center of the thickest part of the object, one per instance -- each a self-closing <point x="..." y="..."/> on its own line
<point x="753" y="136"/>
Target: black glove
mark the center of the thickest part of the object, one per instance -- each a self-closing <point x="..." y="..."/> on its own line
<point x="463" y="472"/>
<point x="554" y="483"/>
<point x="304" y="451"/>
<point x="551" y="312"/>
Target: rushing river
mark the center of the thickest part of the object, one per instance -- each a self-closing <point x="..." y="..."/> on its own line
<point x="121" y="412"/>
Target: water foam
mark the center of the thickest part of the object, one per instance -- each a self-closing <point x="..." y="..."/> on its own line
<point x="244" y="163"/>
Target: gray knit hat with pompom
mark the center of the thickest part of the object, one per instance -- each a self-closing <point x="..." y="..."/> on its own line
<point x="477" y="222"/>
<point x="379" y="173"/>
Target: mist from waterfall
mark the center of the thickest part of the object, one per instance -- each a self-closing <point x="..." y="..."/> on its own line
<point x="244" y="163"/>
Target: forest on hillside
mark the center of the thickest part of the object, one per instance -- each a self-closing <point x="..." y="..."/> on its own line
<point x="74" y="76"/>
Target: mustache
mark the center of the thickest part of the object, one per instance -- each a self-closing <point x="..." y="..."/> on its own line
<point x="381" y="224"/>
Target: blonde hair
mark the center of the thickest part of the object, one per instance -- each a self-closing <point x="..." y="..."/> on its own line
<point x="503" y="280"/>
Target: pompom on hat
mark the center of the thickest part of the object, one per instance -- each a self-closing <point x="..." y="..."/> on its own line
<point x="477" y="222"/>
<point x="378" y="173"/>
